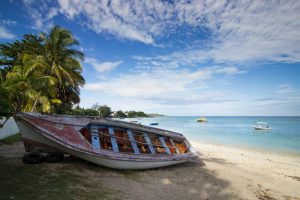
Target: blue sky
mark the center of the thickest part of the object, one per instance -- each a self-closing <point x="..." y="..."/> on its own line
<point x="177" y="58"/>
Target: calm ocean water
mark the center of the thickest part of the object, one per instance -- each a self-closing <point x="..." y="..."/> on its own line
<point x="237" y="131"/>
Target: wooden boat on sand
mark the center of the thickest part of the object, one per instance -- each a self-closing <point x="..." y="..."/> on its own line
<point x="106" y="142"/>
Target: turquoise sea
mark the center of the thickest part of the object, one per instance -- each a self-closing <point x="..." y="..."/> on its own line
<point x="236" y="131"/>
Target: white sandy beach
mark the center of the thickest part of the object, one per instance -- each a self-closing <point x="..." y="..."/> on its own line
<point x="253" y="174"/>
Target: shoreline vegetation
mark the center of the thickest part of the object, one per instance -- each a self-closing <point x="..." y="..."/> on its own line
<point x="105" y="111"/>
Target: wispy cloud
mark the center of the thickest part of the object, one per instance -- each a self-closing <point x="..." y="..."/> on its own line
<point x="8" y="22"/>
<point x="41" y="12"/>
<point x="286" y="89"/>
<point x="284" y="94"/>
<point x="176" y="86"/>
<point x="6" y="34"/>
<point x="103" y="66"/>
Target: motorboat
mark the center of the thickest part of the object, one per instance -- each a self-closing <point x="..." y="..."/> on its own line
<point x="111" y="143"/>
<point x="261" y="126"/>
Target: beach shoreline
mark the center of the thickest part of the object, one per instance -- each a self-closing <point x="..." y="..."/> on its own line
<point x="279" y="152"/>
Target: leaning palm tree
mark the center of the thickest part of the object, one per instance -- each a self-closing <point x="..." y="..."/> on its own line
<point x="63" y="62"/>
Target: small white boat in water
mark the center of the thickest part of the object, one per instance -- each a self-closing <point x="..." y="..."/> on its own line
<point x="261" y="126"/>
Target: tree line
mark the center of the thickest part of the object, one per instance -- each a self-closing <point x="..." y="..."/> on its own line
<point x="105" y="111"/>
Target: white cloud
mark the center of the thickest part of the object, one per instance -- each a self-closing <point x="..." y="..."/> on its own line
<point x="241" y="30"/>
<point x="6" y="34"/>
<point x="41" y="12"/>
<point x="191" y="92"/>
<point x="104" y="66"/>
<point x="238" y="31"/>
<point x="286" y="89"/>
<point x="8" y="22"/>
<point x="172" y="87"/>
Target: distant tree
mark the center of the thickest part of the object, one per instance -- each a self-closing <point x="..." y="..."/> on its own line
<point x="95" y="106"/>
<point x="91" y="112"/>
<point x="120" y="114"/>
<point x="133" y="114"/>
<point x="104" y="110"/>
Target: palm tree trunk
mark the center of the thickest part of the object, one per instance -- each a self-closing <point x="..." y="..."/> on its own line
<point x="19" y="105"/>
<point x="34" y="105"/>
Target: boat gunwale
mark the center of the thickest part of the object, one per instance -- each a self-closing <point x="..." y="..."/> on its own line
<point x="105" y="121"/>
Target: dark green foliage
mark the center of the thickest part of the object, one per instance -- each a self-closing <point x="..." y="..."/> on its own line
<point x="6" y="109"/>
<point x="47" y="69"/>
<point x="133" y="114"/>
<point x="11" y="52"/>
<point x="63" y="108"/>
<point x="104" y="110"/>
<point x="82" y="111"/>
<point x="120" y="114"/>
<point x="91" y="112"/>
<point x="155" y="115"/>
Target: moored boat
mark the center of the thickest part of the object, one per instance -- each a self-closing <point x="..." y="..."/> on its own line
<point x="202" y="119"/>
<point x="111" y="143"/>
<point x="261" y="126"/>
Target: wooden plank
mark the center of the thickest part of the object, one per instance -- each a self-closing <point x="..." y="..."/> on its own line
<point x="133" y="142"/>
<point x="148" y="141"/>
<point x="95" y="137"/>
<point x="163" y="142"/>
<point x="113" y="139"/>
<point x="173" y="144"/>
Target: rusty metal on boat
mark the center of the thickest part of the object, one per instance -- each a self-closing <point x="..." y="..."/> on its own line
<point x="106" y="142"/>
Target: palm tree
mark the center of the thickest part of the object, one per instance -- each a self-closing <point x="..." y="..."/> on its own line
<point x="43" y="71"/>
<point x="30" y="86"/>
<point x="63" y="62"/>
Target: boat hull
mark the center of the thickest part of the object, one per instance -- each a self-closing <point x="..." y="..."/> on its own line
<point x="261" y="129"/>
<point x="31" y="134"/>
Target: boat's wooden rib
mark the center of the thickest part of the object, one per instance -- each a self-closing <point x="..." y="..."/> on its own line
<point x="133" y="142"/>
<point x="163" y="142"/>
<point x="149" y="143"/>
<point x="113" y="139"/>
<point x="105" y="142"/>
<point x="174" y="146"/>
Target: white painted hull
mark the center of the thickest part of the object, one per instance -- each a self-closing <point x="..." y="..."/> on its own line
<point x="261" y="128"/>
<point x="36" y="136"/>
